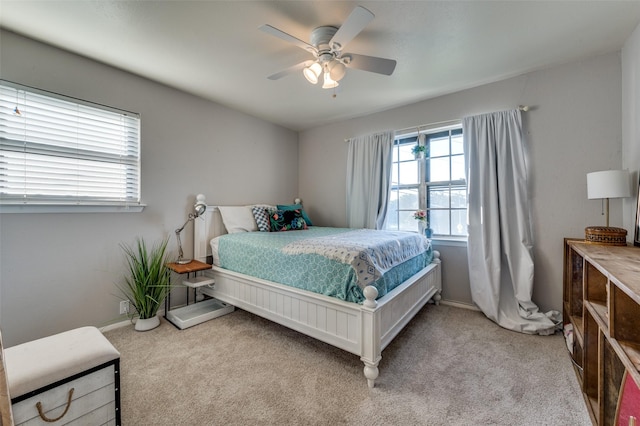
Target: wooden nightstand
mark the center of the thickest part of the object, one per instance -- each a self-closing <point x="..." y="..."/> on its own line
<point x="199" y="311"/>
<point x="193" y="266"/>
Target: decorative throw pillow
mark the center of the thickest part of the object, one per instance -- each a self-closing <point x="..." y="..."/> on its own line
<point x="286" y="220"/>
<point x="296" y="207"/>
<point x="261" y="215"/>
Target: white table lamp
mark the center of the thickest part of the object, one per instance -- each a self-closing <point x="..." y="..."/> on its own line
<point x="608" y="184"/>
<point x="604" y="185"/>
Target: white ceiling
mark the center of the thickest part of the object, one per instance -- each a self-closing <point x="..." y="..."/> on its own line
<point x="214" y="49"/>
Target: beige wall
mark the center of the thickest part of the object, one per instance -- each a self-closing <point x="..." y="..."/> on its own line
<point x="57" y="271"/>
<point x="573" y="128"/>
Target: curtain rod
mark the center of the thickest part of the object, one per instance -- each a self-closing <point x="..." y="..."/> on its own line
<point x="430" y="125"/>
<point x="523" y="108"/>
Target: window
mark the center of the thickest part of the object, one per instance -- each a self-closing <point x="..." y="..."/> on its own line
<point x="56" y="150"/>
<point x="436" y="183"/>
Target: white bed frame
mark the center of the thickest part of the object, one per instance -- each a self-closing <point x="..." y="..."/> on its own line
<point x="362" y="329"/>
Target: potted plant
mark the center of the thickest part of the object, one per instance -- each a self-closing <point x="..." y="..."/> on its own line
<point x="147" y="282"/>
<point x="419" y="151"/>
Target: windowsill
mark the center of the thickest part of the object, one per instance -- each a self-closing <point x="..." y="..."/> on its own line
<point x="449" y="241"/>
<point x="68" y="208"/>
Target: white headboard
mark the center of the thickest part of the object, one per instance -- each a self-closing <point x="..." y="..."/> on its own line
<point x="206" y="227"/>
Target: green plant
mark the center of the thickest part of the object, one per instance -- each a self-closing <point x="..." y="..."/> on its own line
<point x="148" y="280"/>
<point x="418" y="149"/>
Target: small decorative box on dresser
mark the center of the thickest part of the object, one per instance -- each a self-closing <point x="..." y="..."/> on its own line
<point x="68" y="378"/>
<point x="601" y="301"/>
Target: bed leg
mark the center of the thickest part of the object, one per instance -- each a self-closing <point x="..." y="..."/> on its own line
<point x="371" y="331"/>
<point x="437" y="298"/>
<point x="371" y="373"/>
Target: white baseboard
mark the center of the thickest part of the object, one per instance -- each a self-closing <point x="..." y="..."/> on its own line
<point x="460" y="305"/>
<point x="115" y="326"/>
<point x="125" y="322"/>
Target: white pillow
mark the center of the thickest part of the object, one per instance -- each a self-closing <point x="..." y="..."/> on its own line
<point x="214" y="243"/>
<point x="238" y="219"/>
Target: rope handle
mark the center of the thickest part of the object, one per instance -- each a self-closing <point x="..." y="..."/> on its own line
<point x="48" y="420"/>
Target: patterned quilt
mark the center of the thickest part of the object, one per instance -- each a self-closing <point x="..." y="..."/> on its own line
<point x="370" y="253"/>
<point x="336" y="262"/>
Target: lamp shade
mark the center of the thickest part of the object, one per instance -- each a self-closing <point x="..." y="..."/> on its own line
<point x="312" y="72"/>
<point x="328" y="82"/>
<point x="337" y="70"/>
<point x="200" y="206"/>
<point x="608" y="184"/>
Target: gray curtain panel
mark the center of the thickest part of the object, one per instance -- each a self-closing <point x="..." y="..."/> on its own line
<point x="368" y="179"/>
<point x="500" y="244"/>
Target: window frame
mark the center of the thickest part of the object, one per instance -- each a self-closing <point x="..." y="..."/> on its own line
<point x="112" y="143"/>
<point x="449" y="184"/>
<point x="420" y="136"/>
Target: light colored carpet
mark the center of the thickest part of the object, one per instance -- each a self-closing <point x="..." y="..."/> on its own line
<point x="449" y="366"/>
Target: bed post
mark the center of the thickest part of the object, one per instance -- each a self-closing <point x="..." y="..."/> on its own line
<point x="201" y="233"/>
<point x="438" y="296"/>
<point x="371" y="346"/>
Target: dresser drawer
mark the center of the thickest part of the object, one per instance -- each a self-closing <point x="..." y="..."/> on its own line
<point x="93" y="401"/>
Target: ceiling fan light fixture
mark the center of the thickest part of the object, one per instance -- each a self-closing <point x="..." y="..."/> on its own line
<point x="312" y="72"/>
<point x="326" y="45"/>
<point x="337" y="70"/>
<point x="328" y="82"/>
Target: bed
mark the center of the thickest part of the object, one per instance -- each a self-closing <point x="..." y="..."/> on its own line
<point x="363" y="329"/>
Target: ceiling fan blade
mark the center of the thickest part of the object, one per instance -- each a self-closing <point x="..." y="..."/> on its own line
<point x="357" y="20"/>
<point x="370" y="63"/>
<point x="287" y="37"/>
<point x="289" y="70"/>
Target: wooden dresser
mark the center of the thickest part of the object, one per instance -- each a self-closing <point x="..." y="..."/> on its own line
<point x="601" y="299"/>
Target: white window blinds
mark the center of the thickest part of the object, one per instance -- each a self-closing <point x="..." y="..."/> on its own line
<point x="62" y="151"/>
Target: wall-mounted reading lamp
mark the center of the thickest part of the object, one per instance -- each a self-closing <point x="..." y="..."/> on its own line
<point x="198" y="208"/>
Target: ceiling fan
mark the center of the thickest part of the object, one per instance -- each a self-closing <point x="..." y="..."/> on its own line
<point x="327" y="44"/>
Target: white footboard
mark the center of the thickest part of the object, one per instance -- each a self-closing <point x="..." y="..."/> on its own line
<point x="399" y="307"/>
<point x="331" y="320"/>
<point x="364" y="330"/>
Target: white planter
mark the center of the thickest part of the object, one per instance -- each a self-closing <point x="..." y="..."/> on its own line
<point x="147" y="323"/>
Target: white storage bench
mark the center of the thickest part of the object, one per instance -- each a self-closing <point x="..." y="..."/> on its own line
<point x="68" y="378"/>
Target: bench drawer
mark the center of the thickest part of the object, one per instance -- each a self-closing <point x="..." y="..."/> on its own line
<point x="93" y="401"/>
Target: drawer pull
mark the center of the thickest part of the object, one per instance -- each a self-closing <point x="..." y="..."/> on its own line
<point x="48" y="420"/>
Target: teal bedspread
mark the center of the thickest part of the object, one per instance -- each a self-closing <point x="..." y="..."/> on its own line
<point x="337" y="262"/>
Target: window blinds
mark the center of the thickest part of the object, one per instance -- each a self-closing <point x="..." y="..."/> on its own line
<point x="59" y="150"/>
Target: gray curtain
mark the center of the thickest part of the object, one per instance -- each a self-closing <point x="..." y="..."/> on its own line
<point x="500" y="244"/>
<point x="368" y="179"/>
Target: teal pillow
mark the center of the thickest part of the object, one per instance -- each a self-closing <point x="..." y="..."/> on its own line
<point x="296" y="207"/>
<point x="286" y="220"/>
